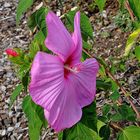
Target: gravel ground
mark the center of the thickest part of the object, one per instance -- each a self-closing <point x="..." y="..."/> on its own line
<point x="13" y="124"/>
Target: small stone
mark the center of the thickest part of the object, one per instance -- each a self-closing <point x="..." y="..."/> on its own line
<point x="11" y="114"/>
<point x="7" y="101"/>
<point x="58" y="13"/>
<point x="3" y="88"/>
<point x="12" y="137"/>
<point x="2" y="132"/>
<point x="104" y="14"/>
<point x="9" y="74"/>
<point x="10" y="129"/>
<point x="7" y="122"/>
<point x="7" y="5"/>
<point x="20" y="136"/>
<point x="17" y="125"/>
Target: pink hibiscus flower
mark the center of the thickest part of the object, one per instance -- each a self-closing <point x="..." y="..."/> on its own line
<point x="62" y="84"/>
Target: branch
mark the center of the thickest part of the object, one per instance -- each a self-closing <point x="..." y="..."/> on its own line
<point x="115" y="126"/>
<point x="119" y="85"/>
<point x="129" y="10"/>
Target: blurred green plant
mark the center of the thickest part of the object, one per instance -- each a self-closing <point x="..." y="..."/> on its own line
<point x="123" y="21"/>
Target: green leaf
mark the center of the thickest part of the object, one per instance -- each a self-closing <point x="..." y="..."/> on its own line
<point x="123" y="112"/>
<point x="137" y="52"/>
<point x="86" y="45"/>
<point x="89" y="117"/>
<point x="60" y="135"/>
<point x="106" y="109"/>
<point x="22" y="7"/>
<point x="23" y="69"/>
<point x="131" y="41"/>
<point x="86" y="28"/>
<point x="104" y="132"/>
<point x="80" y="132"/>
<point x="100" y="4"/>
<point x="115" y="95"/>
<point x="15" y="93"/>
<point x="34" y="122"/>
<point x="135" y="6"/>
<point x="100" y="84"/>
<point x="37" y="19"/>
<point x="121" y="3"/>
<point x="100" y="124"/>
<point x="34" y="48"/>
<point x="127" y="113"/>
<point x="130" y="133"/>
<point x="25" y="80"/>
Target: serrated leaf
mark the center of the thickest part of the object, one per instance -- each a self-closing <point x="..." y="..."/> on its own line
<point x="34" y="122"/>
<point x="86" y="28"/>
<point x="137" y="52"/>
<point x="131" y="41"/>
<point x="100" y="84"/>
<point x="127" y="113"/>
<point x="86" y="45"/>
<point x="123" y="113"/>
<point x="130" y="133"/>
<point x="115" y="95"/>
<point x="34" y="48"/>
<point x="89" y="117"/>
<point x="80" y="132"/>
<point x="22" y="7"/>
<point x="37" y="19"/>
<point x="100" y="4"/>
<point x="106" y="109"/>
<point x="15" y="94"/>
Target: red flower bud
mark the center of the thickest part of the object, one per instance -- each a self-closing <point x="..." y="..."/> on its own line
<point x="11" y="52"/>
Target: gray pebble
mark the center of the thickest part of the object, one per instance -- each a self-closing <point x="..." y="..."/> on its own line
<point x="3" y="132"/>
<point x="10" y="129"/>
<point x="7" y="5"/>
<point x="3" y="88"/>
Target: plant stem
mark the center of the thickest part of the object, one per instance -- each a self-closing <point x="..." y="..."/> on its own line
<point x="115" y="126"/>
<point x="119" y="85"/>
<point x="129" y="10"/>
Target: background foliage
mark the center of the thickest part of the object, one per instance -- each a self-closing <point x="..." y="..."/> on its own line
<point x="91" y="126"/>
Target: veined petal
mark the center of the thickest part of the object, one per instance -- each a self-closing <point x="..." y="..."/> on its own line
<point x="62" y="98"/>
<point x="66" y="111"/>
<point x="58" y="39"/>
<point x="47" y="78"/>
<point x="79" y="91"/>
<point x="77" y="39"/>
<point x="86" y="82"/>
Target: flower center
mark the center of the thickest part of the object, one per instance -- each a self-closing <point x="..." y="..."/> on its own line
<point x="68" y="69"/>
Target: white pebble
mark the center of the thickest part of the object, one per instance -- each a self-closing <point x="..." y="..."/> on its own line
<point x="3" y="88"/>
<point x="2" y="132"/>
<point x="10" y="129"/>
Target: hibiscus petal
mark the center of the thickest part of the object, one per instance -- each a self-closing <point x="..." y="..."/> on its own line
<point x="47" y="78"/>
<point x="62" y="98"/>
<point x="66" y="111"/>
<point x="86" y="82"/>
<point x="58" y="39"/>
<point x="77" y="39"/>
